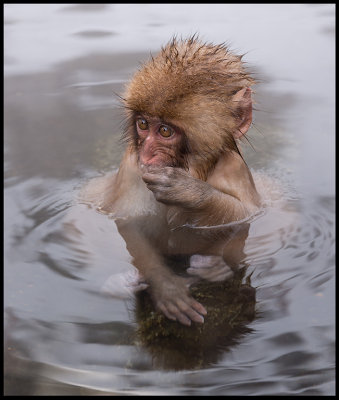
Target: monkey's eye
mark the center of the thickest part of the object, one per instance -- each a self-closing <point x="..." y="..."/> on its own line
<point x="142" y="124"/>
<point x="165" y="131"/>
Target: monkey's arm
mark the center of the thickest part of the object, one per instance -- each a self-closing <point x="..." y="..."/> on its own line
<point x="199" y="202"/>
<point x="169" y="292"/>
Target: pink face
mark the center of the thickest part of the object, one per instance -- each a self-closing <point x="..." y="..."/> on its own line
<point x="159" y="143"/>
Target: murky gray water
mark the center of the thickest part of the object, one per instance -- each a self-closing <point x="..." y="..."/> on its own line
<point x="63" y="64"/>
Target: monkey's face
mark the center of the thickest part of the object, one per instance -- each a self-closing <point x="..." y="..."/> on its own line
<point x="159" y="143"/>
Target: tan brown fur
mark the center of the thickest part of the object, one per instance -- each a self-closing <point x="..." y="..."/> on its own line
<point x="170" y="189"/>
<point x="191" y="84"/>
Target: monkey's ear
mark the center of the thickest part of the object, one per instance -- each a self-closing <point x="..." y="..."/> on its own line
<point x="243" y="102"/>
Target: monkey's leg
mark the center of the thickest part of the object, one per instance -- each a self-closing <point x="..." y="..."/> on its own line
<point x="210" y="268"/>
<point x="169" y="292"/>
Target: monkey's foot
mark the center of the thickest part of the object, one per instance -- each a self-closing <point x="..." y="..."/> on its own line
<point x="210" y="268"/>
<point x="124" y="285"/>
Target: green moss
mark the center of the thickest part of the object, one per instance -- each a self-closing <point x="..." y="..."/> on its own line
<point x="230" y="307"/>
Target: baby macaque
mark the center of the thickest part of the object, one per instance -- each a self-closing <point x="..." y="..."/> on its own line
<point x="182" y="171"/>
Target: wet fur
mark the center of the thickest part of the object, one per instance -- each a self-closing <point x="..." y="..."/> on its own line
<point x="191" y="84"/>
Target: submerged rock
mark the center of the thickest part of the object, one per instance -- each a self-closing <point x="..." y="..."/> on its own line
<point x="230" y="307"/>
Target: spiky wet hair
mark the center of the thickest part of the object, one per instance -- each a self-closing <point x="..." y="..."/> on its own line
<point x="190" y="84"/>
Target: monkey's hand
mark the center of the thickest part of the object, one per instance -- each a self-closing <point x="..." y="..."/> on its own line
<point x="200" y="202"/>
<point x="174" y="186"/>
<point x="171" y="297"/>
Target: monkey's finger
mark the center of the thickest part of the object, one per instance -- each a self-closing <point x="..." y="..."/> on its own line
<point x="151" y="178"/>
<point x="180" y="315"/>
<point x="172" y="312"/>
<point x="154" y="169"/>
<point x="161" y="307"/>
<point x="190" y="312"/>
<point x="198" y="307"/>
<point x="183" y="319"/>
<point x="159" y="192"/>
<point x="157" y="179"/>
<point x="148" y="178"/>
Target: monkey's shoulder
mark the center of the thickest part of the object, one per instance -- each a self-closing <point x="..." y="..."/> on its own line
<point x="92" y="192"/>
<point x="232" y="176"/>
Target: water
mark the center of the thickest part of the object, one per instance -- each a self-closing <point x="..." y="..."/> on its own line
<point x="63" y="64"/>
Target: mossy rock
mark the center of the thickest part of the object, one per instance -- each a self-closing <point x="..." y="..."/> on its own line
<point x="230" y="307"/>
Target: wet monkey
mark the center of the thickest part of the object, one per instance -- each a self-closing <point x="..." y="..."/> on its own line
<point x="182" y="169"/>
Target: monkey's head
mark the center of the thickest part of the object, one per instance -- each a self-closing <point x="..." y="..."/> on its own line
<point x="187" y="105"/>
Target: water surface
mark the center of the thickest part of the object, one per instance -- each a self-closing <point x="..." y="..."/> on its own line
<point x="63" y="64"/>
